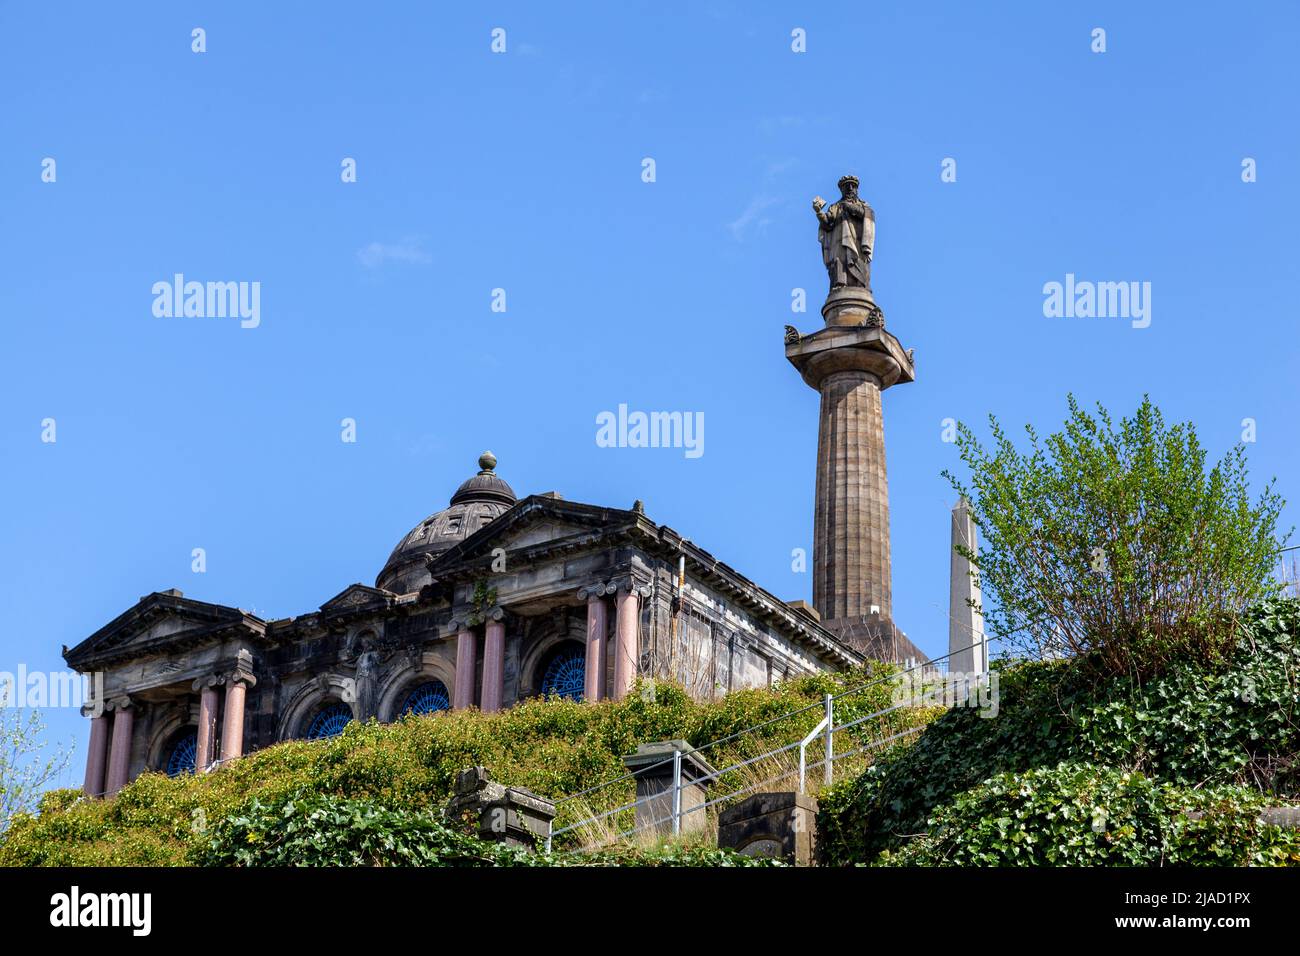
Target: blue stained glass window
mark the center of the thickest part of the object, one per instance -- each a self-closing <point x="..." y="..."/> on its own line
<point x="566" y="674"/>
<point x="428" y="698"/>
<point x="329" y="722"/>
<point x="184" y="754"/>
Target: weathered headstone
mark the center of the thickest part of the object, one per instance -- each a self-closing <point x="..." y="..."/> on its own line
<point x="504" y="814"/>
<point x="781" y="825"/>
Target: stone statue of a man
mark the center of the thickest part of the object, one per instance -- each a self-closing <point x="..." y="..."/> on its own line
<point x="847" y="232"/>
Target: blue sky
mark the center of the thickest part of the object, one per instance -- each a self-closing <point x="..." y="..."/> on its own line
<point x="522" y="171"/>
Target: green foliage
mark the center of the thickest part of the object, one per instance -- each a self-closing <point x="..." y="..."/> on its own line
<point x="1077" y="814"/>
<point x="553" y="747"/>
<point x="24" y="770"/>
<point x="314" y="830"/>
<point x="1114" y="543"/>
<point x="1190" y="727"/>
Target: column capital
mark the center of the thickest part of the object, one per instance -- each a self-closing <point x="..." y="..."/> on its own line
<point x="595" y="590"/>
<point x="124" y="702"/>
<point x="632" y="583"/>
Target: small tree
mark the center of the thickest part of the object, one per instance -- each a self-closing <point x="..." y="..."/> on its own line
<point x="24" y="772"/>
<point x="1116" y="544"/>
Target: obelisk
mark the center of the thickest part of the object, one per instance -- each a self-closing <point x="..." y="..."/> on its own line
<point x="850" y="362"/>
<point x="968" y="651"/>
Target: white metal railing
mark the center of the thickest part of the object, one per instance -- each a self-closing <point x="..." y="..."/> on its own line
<point x="826" y="728"/>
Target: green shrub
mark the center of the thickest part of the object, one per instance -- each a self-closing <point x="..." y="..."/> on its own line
<point x="553" y="747"/>
<point x="1081" y="815"/>
<point x="1114" y="543"/>
<point x="1190" y="727"/>
<point x="315" y="830"/>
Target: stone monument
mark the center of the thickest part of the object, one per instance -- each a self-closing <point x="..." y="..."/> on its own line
<point x="967" y="648"/>
<point x="850" y="362"/>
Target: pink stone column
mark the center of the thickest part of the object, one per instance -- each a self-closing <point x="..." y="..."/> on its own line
<point x="626" y="630"/>
<point x="119" y="758"/>
<point x="494" y="663"/>
<point x="594" y="671"/>
<point x="207" y="733"/>
<point x="97" y="756"/>
<point x="232" y="729"/>
<point x="466" y="658"/>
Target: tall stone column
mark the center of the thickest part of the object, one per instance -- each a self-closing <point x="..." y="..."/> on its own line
<point x="232" y="727"/>
<point x="627" y="628"/>
<point x="597" y="625"/>
<point x="207" y="732"/>
<point x="494" y="660"/>
<point x="119" y="757"/>
<point x="466" y="661"/>
<point x="967" y="647"/>
<point x="850" y="362"/>
<point x="97" y="755"/>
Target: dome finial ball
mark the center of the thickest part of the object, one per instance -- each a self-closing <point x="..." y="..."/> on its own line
<point x="487" y="461"/>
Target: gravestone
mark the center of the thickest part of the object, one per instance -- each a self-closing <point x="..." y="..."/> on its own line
<point x="499" y="813"/>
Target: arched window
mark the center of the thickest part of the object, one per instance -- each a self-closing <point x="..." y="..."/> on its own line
<point x="430" y="697"/>
<point x="329" y="721"/>
<point x="565" y="673"/>
<point x="184" y="754"/>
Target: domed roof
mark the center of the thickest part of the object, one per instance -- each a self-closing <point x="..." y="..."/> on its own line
<point x="477" y="502"/>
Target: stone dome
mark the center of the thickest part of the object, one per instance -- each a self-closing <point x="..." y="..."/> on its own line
<point x="477" y="502"/>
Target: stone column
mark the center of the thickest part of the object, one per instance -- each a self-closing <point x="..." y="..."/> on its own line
<point x="850" y="365"/>
<point x="967" y="650"/>
<point x="627" y="627"/>
<point x="466" y="661"/>
<point x="207" y="732"/>
<point x="119" y="757"/>
<point x="97" y="755"/>
<point x="851" y="572"/>
<point x="494" y="660"/>
<point x="597" y="626"/>
<point x="232" y="729"/>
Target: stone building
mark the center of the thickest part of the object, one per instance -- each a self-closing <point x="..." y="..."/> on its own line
<point x="484" y="603"/>
<point x="495" y="599"/>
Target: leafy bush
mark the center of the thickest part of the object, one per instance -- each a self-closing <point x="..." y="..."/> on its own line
<point x="1082" y="815"/>
<point x="553" y="747"/>
<point x="1192" y="726"/>
<point x="1114" y="543"/>
<point x="315" y="830"/>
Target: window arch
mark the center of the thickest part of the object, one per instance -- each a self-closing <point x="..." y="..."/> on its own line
<point x="184" y="753"/>
<point x="565" y="672"/>
<point x="329" y="721"/>
<point x="427" y="698"/>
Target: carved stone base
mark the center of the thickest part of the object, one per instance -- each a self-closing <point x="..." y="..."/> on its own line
<point x="781" y="825"/>
<point x="852" y="307"/>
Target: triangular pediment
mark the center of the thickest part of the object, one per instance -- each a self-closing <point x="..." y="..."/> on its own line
<point x="357" y="596"/>
<point x="159" y="621"/>
<point x="541" y="522"/>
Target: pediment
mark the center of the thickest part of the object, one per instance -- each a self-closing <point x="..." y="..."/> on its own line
<point x="357" y="596"/>
<point x="538" y="523"/>
<point x="161" y="621"/>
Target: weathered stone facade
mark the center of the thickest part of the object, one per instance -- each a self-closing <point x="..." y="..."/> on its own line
<point x="501" y="600"/>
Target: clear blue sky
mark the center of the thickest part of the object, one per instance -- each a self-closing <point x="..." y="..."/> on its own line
<point x="523" y="171"/>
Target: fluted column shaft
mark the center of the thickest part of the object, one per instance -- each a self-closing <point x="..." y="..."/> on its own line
<point x="851" y="567"/>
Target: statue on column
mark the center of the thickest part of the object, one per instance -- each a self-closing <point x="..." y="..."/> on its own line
<point x="847" y="232"/>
